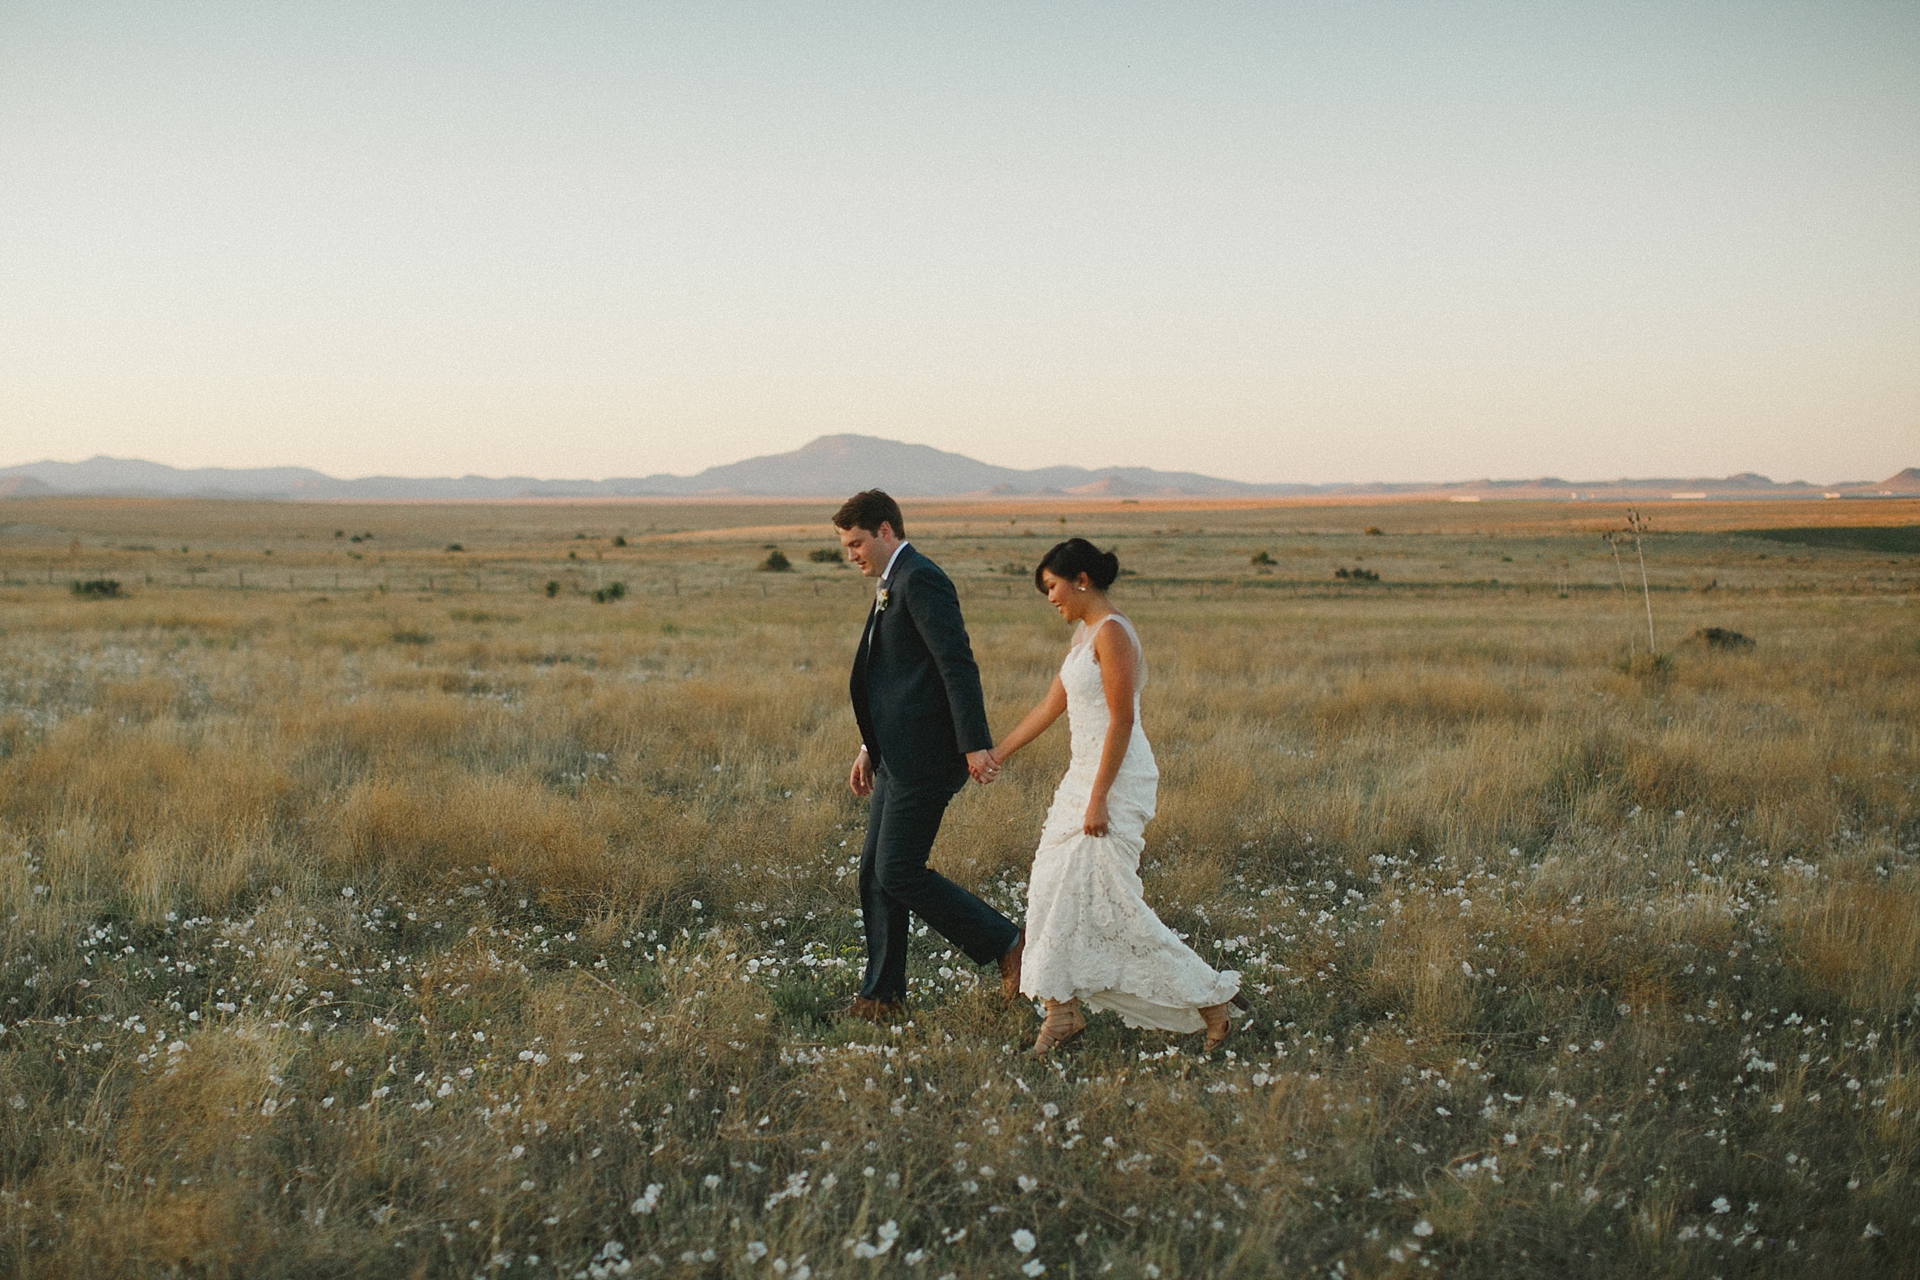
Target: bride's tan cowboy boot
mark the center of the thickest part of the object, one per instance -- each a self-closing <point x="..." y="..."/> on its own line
<point x="1063" y="1022"/>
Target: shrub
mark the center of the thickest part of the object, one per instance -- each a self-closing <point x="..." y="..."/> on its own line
<point x="454" y="546"/>
<point x="412" y="637"/>
<point x="1374" y="531"/>
<point x="825" y="555"/>
<point x="612" y="591"/>
<point x="553" y="588"/>
<point x="619" y="539"/>
<point x="97" y="588"/>
<point x="1357" y="575"/>
<point x="775" y="562"/>
<point x="1261" y="557"/>
<point x="1722" y="638"/>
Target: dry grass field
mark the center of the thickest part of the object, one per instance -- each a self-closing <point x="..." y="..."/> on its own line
<point x="380" y="902"/>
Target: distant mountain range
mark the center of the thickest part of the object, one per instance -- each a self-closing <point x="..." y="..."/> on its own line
<point x="833" y="466"/>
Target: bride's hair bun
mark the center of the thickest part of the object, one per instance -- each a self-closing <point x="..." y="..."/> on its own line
<point x="1074" y="557"/>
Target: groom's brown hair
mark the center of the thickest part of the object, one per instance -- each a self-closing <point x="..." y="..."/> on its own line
<point x="868" y="510"/>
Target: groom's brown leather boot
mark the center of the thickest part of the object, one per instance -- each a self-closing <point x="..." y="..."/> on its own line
<point x="1010" y="967"/>
<point x="880" y="1012"/>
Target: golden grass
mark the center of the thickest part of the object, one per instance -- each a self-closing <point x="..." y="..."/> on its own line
<point x="426" y="925"/>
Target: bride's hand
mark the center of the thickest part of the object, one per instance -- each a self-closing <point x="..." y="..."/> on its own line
<point x="1096" y="823"/>
<point x="982" y="766"/>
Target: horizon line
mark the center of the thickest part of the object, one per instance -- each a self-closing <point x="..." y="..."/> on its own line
<point x="1328" y="485"/>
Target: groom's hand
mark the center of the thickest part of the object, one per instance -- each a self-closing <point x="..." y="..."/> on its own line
<point x="983" y="766"/>
<point x="860" y="778"/>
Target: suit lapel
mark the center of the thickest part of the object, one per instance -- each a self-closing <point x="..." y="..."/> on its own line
<point x="864" y="655"/>
<point x="893" y="575"/>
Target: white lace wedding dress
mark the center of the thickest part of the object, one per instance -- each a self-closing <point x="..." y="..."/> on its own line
<point x="1090" y="933"/>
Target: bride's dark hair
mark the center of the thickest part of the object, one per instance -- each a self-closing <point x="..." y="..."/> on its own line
<point x="1074" y="557"/>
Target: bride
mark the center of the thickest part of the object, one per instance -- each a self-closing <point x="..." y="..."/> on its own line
<point x="1091" y="939"/>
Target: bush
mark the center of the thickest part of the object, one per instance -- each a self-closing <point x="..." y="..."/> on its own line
<point x="1357" y="575"/>
<point x="1373" y="531"/>
<point x="1260" y="557"/>
<point x="619" y="539"/>
<point x="412" y="637"/>
<point x="454" y="546"/>
<point x="612" y="591"/>
<point x="553" y="588"/>
<point x="825" y="555"/>
<point x="1722" y="638"/>
<point x="98" y="588"/>
<point x="775" y="562"/>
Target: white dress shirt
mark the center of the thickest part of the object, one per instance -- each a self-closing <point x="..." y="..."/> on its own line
<point x="892" y="560"/>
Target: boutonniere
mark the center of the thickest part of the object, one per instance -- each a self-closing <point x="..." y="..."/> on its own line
<point x="880" y="600"/>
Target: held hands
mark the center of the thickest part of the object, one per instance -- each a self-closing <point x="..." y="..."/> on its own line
<point x="1096" y="823"/>
<point x="983" y="766"/>
<point x="860" y="778"/>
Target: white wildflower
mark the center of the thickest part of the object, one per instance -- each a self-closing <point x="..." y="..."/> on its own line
<point x="1024" y="1240"/>
<point x="649" y="1201"/>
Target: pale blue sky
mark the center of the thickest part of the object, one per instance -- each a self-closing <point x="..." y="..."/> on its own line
<point x="1276" y="242"/>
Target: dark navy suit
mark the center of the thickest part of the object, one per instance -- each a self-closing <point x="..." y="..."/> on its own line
<point x="916" y="695"/>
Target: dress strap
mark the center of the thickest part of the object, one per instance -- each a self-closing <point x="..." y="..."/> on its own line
<point x="1086" y="635"/>
<point x="1139" y="651"/>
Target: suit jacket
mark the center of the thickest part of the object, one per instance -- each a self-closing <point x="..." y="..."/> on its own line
<point x="916" y="689"/>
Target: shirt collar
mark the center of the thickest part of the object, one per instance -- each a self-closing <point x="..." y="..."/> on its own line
<point x="888" y="575"/>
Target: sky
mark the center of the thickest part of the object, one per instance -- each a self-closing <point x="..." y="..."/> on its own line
<point x="1273" y="242"/>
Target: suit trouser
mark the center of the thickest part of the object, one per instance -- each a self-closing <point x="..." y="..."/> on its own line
<point x="894" y="880"/>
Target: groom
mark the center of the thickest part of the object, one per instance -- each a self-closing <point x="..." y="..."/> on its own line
<point x="923" y="729"/>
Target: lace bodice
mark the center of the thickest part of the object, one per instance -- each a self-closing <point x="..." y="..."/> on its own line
<point x="1087" y="715"/>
